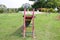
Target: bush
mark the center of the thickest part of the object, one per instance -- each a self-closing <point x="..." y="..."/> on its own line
<point x="12" y="10"/>
<point x="59" y="9"/>
<point x="1" y="10"/>
<point x="44" y="9"/>
<point x="51" y="10"/>
<point x="48" y="10"/>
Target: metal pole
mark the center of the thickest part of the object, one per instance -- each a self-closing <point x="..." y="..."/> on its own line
<point x="24" y="28"/>
<point x="33" y="25"/>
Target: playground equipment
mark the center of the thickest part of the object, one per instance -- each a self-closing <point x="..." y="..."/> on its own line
<point x="27" y="20"/>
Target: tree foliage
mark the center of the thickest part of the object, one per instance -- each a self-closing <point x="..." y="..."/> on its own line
<point x="3" y="8"/>
<point x="26" y="5"/>
<point x="46" y="4"/>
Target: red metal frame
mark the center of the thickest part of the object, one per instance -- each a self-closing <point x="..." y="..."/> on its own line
<point x="33" y="25"/>
<point x="24" y="29"/>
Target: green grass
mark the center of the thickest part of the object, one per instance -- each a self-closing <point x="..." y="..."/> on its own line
<point x="46" y="27"/>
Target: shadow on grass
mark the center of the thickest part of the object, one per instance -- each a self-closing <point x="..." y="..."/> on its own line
<point x="18" y="32"/>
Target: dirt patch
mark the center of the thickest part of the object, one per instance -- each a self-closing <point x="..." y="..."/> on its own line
<point x="58" y="17"/>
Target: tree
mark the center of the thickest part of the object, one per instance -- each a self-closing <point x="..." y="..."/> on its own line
<point x="26" y="5"/>
<point x="12" y="10"/>
<point x="21" y="9"/>
<point x="3" y="8"/>
<point x="46" y="4"/>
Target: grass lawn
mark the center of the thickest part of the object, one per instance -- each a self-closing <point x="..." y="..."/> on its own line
<point x="46" y="27"/>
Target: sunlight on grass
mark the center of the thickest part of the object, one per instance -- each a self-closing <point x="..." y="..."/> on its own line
<point x="46" y="27"/>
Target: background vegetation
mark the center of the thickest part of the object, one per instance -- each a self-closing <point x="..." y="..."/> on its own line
<point x="48" y="4"/>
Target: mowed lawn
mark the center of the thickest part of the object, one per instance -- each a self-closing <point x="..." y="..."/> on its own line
<point x="47" y="27"/>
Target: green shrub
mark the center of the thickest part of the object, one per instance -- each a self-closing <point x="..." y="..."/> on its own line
<point x="44" y="9"/>
<point x="1" y="10"/>
<point x="51" y="10"/>
<point x="59" y="9"/>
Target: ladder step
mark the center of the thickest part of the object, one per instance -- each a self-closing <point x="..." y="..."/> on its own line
<point x="28" y="32"/>
<point x="28" y="19"/>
